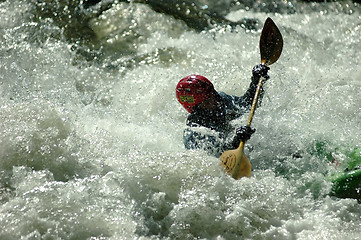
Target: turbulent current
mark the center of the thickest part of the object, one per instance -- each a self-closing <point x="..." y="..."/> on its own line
<point x="91" y="132"/>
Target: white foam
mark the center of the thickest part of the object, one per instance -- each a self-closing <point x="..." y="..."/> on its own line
<point x="93" y="152"/>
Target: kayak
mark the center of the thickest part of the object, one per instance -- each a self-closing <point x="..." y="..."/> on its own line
<point x="347" y="161"/>
<point x="347" y="184"/>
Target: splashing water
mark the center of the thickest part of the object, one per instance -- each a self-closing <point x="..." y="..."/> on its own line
<point x="91" y="137"/>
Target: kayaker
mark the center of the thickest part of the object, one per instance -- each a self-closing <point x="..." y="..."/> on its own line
<point x="209" y="125"/>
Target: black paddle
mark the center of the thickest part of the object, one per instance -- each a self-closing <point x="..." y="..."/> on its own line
<point x="235" y="161"/>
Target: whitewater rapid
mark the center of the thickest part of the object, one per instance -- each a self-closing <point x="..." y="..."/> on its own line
<point x="92" y="149"/>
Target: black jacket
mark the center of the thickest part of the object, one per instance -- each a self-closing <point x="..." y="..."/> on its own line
<point x="214" y="131"/>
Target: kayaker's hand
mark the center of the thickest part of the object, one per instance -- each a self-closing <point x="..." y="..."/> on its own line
<point x="260" y="70"/>
<point x="242" y="134"/>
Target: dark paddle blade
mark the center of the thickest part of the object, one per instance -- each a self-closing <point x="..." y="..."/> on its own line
<point x="271" y="43"/>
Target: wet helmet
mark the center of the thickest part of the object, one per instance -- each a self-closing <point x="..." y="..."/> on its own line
<point x="193" y="90"/>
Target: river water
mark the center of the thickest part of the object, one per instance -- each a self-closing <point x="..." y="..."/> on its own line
<point x="91" y="134"/>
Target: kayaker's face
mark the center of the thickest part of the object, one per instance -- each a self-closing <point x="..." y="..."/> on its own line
<point x="210" y="103"/>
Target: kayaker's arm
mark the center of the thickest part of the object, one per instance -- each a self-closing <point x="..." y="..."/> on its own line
<point x="198" y="137"/>
<point x="211" y="141"/>
<point x="257" y="72"/>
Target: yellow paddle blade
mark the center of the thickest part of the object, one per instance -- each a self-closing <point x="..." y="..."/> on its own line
<point x="230" y="158"/>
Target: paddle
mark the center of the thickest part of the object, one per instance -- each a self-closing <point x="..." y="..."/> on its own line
<point x="235" y="161"/>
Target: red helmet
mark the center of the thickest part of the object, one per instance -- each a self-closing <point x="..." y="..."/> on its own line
<point x="193" y="90"/>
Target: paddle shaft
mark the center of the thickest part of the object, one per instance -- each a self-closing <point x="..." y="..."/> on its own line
<point x="250" y="117"/>
<point x="255" y="101"/>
